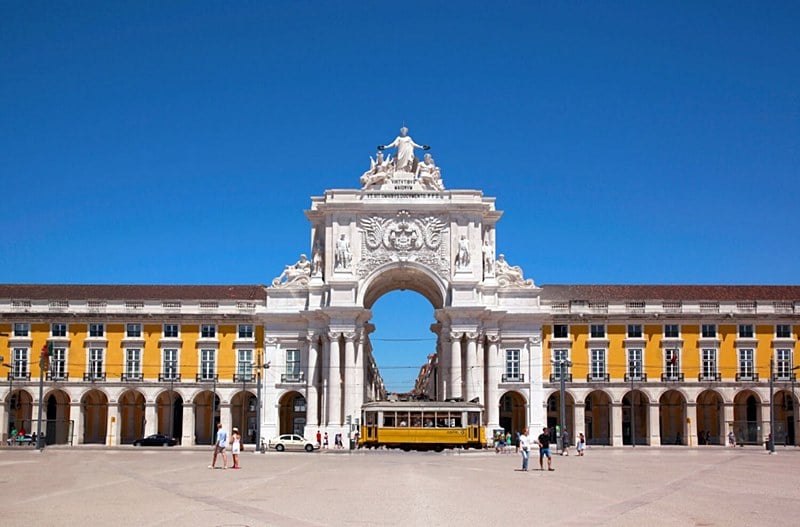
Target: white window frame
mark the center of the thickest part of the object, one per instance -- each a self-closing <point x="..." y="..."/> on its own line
<point x="598" y="364"/>
<point x="750" y="329"/>
<point x="22" y="329"/>
<point x="96" y="363"/>
<point x="635" y="358"/>
<point x="592" y="328"/>
<point x="634" y="336"/>
<point x="292" y="369"/>
<point x="97" y="330"/>
<point x="778" y="331"/>
<point x="672" y="369"/>
<point x="709" y="363"/>
<point x="170" y="366"/>
<point x="746" y="367"/>
<point x="58" y="363"/>
<point x="177" y="328"/>
<point x="566" y="326"/>
<point x="63" y="329"/>
<point x="245" y="331"/>
<point x="676" y="336"/>
<point x="131" y="330"/>
<point x="208" y="331"/>
<point x="512" y="365"/>
<point x="208" y="367"/>
<point x="244" y="363"/>
<point x="20" y="362"/>
<point x="705" y="334"/>
<point x="133" y="365"/>
<point x="783" y="364"/>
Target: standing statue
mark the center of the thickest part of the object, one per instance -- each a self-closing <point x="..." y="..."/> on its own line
<point x="404" y="158"/>
<point x="462" y="257"/>
<point x="343" y="254"/>
<point x="317" y="259"/>
<point x="488" y="257"/>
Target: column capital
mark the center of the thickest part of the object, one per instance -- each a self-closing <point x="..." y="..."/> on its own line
<point x="270" y="341"/>
<point x="535" y="340"/>
<point x="472" y="335"/>
<point x="493" y="338"/>
<point x="333" y="335"/>
<point x="350" y="336"/>
<point x="455" y="335"/>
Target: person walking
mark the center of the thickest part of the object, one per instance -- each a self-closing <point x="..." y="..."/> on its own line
<point x="236" y="445"/>
<point x="325" y="441"/>
<point x="219" y="447"/>
<point x="319" y="438"/>
<point x="581" y="444"/>
<point x="525" y="448"/>
<point x="544" y="449"/>
<point x="564" y="442"/>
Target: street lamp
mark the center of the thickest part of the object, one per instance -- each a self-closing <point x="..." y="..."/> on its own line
<point x="562" y="374"/>
<point x="258" y="400"/>
<point x="634" y="371"/>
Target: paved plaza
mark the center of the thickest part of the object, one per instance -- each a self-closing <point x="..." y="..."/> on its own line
<point x="609" y="486"/>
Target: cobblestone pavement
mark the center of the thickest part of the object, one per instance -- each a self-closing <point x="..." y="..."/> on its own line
<point x="609" y="486"/>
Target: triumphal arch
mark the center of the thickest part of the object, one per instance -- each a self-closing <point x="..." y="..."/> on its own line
<point x="402" y="229"/>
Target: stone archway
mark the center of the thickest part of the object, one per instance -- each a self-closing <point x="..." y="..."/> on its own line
<point x="94" y="405"/>
<point x="554" y="412"/>
<point x="58" y="427"/>
<point x="206" y="417"/>
<point x="597" y="418"/>
<point x="785" y="432"/>
<point x="169" y="412"/>
<point x="637" y="428"/>
<point x="292" y="413"/>
<point x="243" y="415"/>
<point x="710" y="418"/>
<point x="672" y="418"/>
<point x="20" y="404"/>
<point x="131" y="416"/>
<point x="747" y="417"/>
<point x="513" y="412"/>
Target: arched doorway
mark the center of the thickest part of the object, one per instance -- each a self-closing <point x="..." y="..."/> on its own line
<point x="710" y="424"/>
<point x="20" y="411"/>
<point x="597" y="418"/>
<point x="639" y="426"/>
<point x="94" y="405"/>
<point x="784" y="432"/>
<point x="131" y="416"/>
<point x="292" y="413"/>
<point x="169" y="409"/>
<point x="513" y="414"/>
<point x="243" y="415"/>
<point x="554" y="413"/>
<point x="747" y="417"/>
<point x="58" y="427"/>
<point x="206" y="416"/>
<point x="672" y="418"/>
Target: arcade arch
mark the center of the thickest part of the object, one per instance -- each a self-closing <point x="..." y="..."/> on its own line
<point x="243" y="415"/>
<point x="57" y="416"/>
<point x="554" y="412"/>
<point x="513" y="414"/>
<point x="747" y="417"/>
<point x="169" y="414"/>
<point x="710" y="418"/>
<point x="640" y="431"/>
<point x="672" y="418"/>
<point x="94" y="405"/>
<point x="292" y="413"/>
<point x="131" y="416"/>
<point x="206" y="416"/>
<point x="597" y="418"/>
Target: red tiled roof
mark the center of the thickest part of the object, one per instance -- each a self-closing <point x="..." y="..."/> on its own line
<point x="723" y="293"/>
<point x="132" y="292"/>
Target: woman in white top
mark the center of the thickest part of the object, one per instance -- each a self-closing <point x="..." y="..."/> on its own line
<point x="525" y="448"/>
<point x="236" y="445"/>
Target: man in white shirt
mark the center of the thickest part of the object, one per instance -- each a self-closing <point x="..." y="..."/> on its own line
<point x="219" y="447"/>
<point x="525" y="448"/>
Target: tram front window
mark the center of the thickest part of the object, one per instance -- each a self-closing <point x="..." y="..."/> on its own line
<point x="474" y="418"/>
<point x="389" y="420"/>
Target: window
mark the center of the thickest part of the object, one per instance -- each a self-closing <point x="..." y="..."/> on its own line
<point x="560" y="356"/>
<point x="745" y="331"/>
<point x="746" y="365"/>
<point x="512" y="366"/>
<point x="708" y="364"/>
<point x="244" y="366"/>
<point x="171" y="331"/>
<point x="170" y="365"/>
<point x="634" y="331"/>
<point x="245" y="331"/>
<point x="635" y="363"/>
<point x="783" y="364"/>
<point x="133" y="363"/>
<point x="21" y="329"/>
<point x="598" y="365"/>
<point x="207" y="365"/>
<point x="560" y="331"/>
<point x="292" y="365"/>
<point x="783" y="331"/>
<point x="19" y="363"/>
<point x="96" y="330"/>
<point x="58" y="329"/>
<point x="58" y="364"/>
<point x="208" y="331"/>
<point x="672" y="331"/>
<point x="708" y="331"/>
<point x="133" y="330"/>
<point x="672" y="364"/>
<point x="95" y="363"/>
<point x="598" y="331"/>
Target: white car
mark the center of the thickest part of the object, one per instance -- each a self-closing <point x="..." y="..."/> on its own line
<point x="292" y="442"/>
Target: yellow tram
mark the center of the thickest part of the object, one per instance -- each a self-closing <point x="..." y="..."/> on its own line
<point x="418" y="425"/>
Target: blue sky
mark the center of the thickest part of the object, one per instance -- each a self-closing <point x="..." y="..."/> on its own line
<point x="179" y="142"/>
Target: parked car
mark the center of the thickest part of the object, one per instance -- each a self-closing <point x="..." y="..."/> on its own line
<point x="292" y="442"/>
<point x="156" y="440"/>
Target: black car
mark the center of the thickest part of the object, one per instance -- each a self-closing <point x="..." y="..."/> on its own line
<point x="156" y="440"/>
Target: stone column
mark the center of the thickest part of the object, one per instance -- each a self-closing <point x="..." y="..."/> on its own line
<point x="533" y="353"/>
<point x="616" y="424"/>
<point x="580" y="421"/>
<point x="472" y="379"/>
<point x="224" y="417"/>
<point x="312" y="393"/>
<point x="727" y="420"/>
<point x="187" y="427"/>
<point x="654" y="424"/>
<point x="493" y="366"/>
<point x="359" y="374"/>
<point x="112" y="430"/>
<point x="456" y="376"/>
<point x="77" y="426"/>
<point x="334" y="376"/>
<point x="150" y="419"/>
<point x="690" y="424"/>
<point x="349" y="371"/>
<point x="443" y="355"/>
